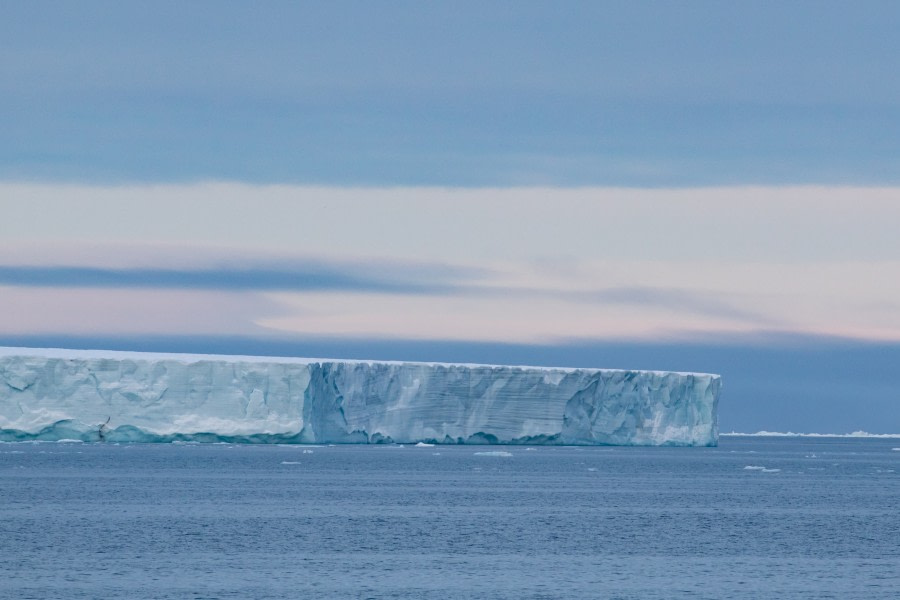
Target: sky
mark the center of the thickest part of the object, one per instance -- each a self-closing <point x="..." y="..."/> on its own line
<point x="696" y="186"/>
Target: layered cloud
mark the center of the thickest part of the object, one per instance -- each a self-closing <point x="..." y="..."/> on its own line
<point x="462" y="93"/>
<point x="530" y="265"/>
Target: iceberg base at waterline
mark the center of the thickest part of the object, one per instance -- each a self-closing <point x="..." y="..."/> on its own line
<point x="88" y="395"/>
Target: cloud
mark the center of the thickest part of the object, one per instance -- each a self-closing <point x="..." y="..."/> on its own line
<point x="437" y="281"/>
<point x="678" y="300"/>
<point x="467" y="226"/>
<point x="103" y="311"/>
<point x="490" y="264"/>
<point x="330" y="92"/>
<point x="300" y="278"/>
<point x="501" y="301"/>
<point x="504" y="314"/>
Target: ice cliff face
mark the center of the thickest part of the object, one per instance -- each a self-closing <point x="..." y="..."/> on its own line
<point x="118" y="396"/>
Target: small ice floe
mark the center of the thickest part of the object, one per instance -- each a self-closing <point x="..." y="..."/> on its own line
<point x="530" y="449"/>
<point x="494" y="453"/>
<point x="424" y="445"/>
<point x="591" y="469"/>
<point x="435" y="453"/>
<point x="291" y="462"/>
<point x="307" y="452"/>
<point x="761" y="469"/>
<point x="896" y="449"/>
<point x="69" y="441"/>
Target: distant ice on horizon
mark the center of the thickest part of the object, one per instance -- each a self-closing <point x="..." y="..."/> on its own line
<point x="854" y="434"/>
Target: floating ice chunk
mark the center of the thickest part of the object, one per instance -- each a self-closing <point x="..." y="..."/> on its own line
<point x="69" y="441"/>
<point x="494" y="453"/>
<point x="754" y="468"/>
<point x="307" y="452"/>
<point x="291" y="462"/>
<point x="424" y="445"/>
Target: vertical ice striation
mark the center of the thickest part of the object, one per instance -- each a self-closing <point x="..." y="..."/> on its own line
<point x="118" y="396"/>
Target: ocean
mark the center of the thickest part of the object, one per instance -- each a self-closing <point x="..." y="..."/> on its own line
<point x="756" y="517"/>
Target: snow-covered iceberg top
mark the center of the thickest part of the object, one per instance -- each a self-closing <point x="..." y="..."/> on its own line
<point x="91" y="395"/>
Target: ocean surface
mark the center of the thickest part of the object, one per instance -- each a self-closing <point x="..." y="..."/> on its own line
<point x="756" y="517"/>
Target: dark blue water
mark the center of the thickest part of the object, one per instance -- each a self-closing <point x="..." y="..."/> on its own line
<point x="809" y="519"/>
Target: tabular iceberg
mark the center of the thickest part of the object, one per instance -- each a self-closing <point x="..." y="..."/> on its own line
<point x="49" y="394"/>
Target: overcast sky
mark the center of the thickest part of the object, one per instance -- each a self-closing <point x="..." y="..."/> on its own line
<point x="699" y="186"/>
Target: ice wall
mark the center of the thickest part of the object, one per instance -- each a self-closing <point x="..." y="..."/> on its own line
<point x="117" y="396"/>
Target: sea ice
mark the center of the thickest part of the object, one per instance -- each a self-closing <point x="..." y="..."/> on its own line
<point x="761" y="469"/>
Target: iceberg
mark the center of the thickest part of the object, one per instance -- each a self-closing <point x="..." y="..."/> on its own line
<point x="88" y="395"/>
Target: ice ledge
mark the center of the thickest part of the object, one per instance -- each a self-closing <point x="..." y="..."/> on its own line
<point x="129" y="396"/>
